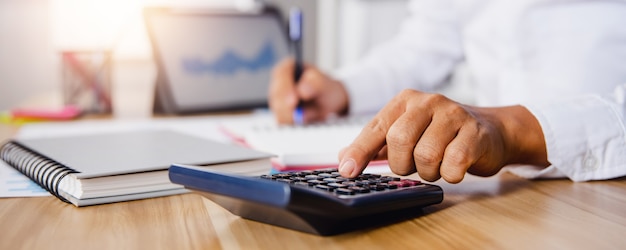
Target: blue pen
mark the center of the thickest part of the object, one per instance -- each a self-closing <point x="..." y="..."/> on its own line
<point x="295" y="36"/>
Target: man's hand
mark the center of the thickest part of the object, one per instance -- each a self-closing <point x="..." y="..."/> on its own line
<point x="438" y="137"/>
<point x="319" y="95"/>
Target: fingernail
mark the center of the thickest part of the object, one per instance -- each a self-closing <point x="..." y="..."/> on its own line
<point x="347" y="166"/>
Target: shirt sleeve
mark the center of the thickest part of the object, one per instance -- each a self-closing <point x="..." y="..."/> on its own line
<point x="421" y="56"/>
<point x="585" y="138"/>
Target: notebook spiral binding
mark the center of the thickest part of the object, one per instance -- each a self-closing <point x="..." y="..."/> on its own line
<point x="43" y="171"/>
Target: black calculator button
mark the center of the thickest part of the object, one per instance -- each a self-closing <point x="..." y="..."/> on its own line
<point x="313" y="177"/>
<point x="324" y="187"/>
<point x="345" y="191"/>
<point x="365" y="183"/>
<point x="361" y="190"/>
<point x="350" y="183"/>
<point x="325" y="175"/>
<point x="331" y="180"/>
<point x="337" y="185"/>
<point x="316" y="182"/>
<point x="301" y="183"/>
<point x="377" y="187"/>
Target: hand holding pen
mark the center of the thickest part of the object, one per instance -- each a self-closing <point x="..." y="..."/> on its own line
<point x="301" y="93"/>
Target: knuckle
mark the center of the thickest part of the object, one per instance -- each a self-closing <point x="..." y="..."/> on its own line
<point x="426" y="155"/>
<point x="456" y="111"/>
<point x="401" y="99"/>
<point x="396" y="138"/>
<point x="376" y="125"/>
<point x="408" y="93"/>
<point x="434" y="99"/>
<point x="458" y="156"/>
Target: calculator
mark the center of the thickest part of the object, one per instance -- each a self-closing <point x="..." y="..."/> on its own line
<point x="320" y="202"/>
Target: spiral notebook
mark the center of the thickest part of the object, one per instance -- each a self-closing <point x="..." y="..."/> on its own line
<point x="119" y="166"/>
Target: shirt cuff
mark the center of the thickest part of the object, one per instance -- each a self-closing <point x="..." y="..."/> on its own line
<point x="584" y="138"/>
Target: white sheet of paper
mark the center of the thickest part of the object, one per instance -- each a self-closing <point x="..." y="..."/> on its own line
<point x="15" y="184"/>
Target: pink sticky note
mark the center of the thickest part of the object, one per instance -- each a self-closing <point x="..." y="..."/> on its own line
<point x="65" y="113"/>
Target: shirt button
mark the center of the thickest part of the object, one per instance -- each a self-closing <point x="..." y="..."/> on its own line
<point x="590" y="161"/>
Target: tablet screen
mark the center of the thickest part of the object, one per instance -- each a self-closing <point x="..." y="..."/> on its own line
<point x="214" y="61"/>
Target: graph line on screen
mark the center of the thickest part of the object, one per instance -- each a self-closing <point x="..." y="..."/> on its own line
<point x="230" y="62"/>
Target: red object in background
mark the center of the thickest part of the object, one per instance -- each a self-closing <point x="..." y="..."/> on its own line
<point x="65" y="113"/>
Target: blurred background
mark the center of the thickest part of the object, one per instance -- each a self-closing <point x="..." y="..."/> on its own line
<point x="35" y="33"/>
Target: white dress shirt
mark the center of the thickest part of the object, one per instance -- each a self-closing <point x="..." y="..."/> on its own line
<point x="565" y="60"/>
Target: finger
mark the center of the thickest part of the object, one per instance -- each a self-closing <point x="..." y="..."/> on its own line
<point x="283" y="98"/>
<point x="430" y="149"/>
<point x="402" y="139"/>
<point x="309" y="89"/>
<point x="462" y="152"/>
<point x="371" y="139"/>
<point x="311" y="84"/>
<point x="382" y="154"/>
<point x="312" y="112"/>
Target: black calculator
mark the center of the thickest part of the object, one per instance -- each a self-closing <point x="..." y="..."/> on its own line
<point x="314" y="201"/>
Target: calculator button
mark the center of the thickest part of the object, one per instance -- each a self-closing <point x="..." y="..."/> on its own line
<point x="359" y="189"/>
<point x="365" y="183"/>
<point x="313" y="177"/>
<point x="345" y="191"/>
<point x="329" y="180"/>
<point x="301" y="183"/>
<point x="337" y="185"/>
<point x="349" y="183"/>
<point x="377" y="187"/>
<point x="324" y="187"/>
<point x="316" y="182"/>
<point x="305" y="173"/>
<point x="411" y="182"/>
<point x="325" y="175"/>
<point x="399" y="183"/>
<point x="299" y="179"/>
<point x="282" y="176"/>
<point x="343" y="178"/>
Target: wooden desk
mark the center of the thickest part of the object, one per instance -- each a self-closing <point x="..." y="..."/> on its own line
<point x="502" y="212"/>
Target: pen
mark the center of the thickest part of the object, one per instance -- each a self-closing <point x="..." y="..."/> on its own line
<point x="295" y="36"/>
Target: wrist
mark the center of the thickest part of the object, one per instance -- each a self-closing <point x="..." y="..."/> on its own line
<point x="523" y="136"/>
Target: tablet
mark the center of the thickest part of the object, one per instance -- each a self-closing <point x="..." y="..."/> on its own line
<point x="210" y="60"/>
